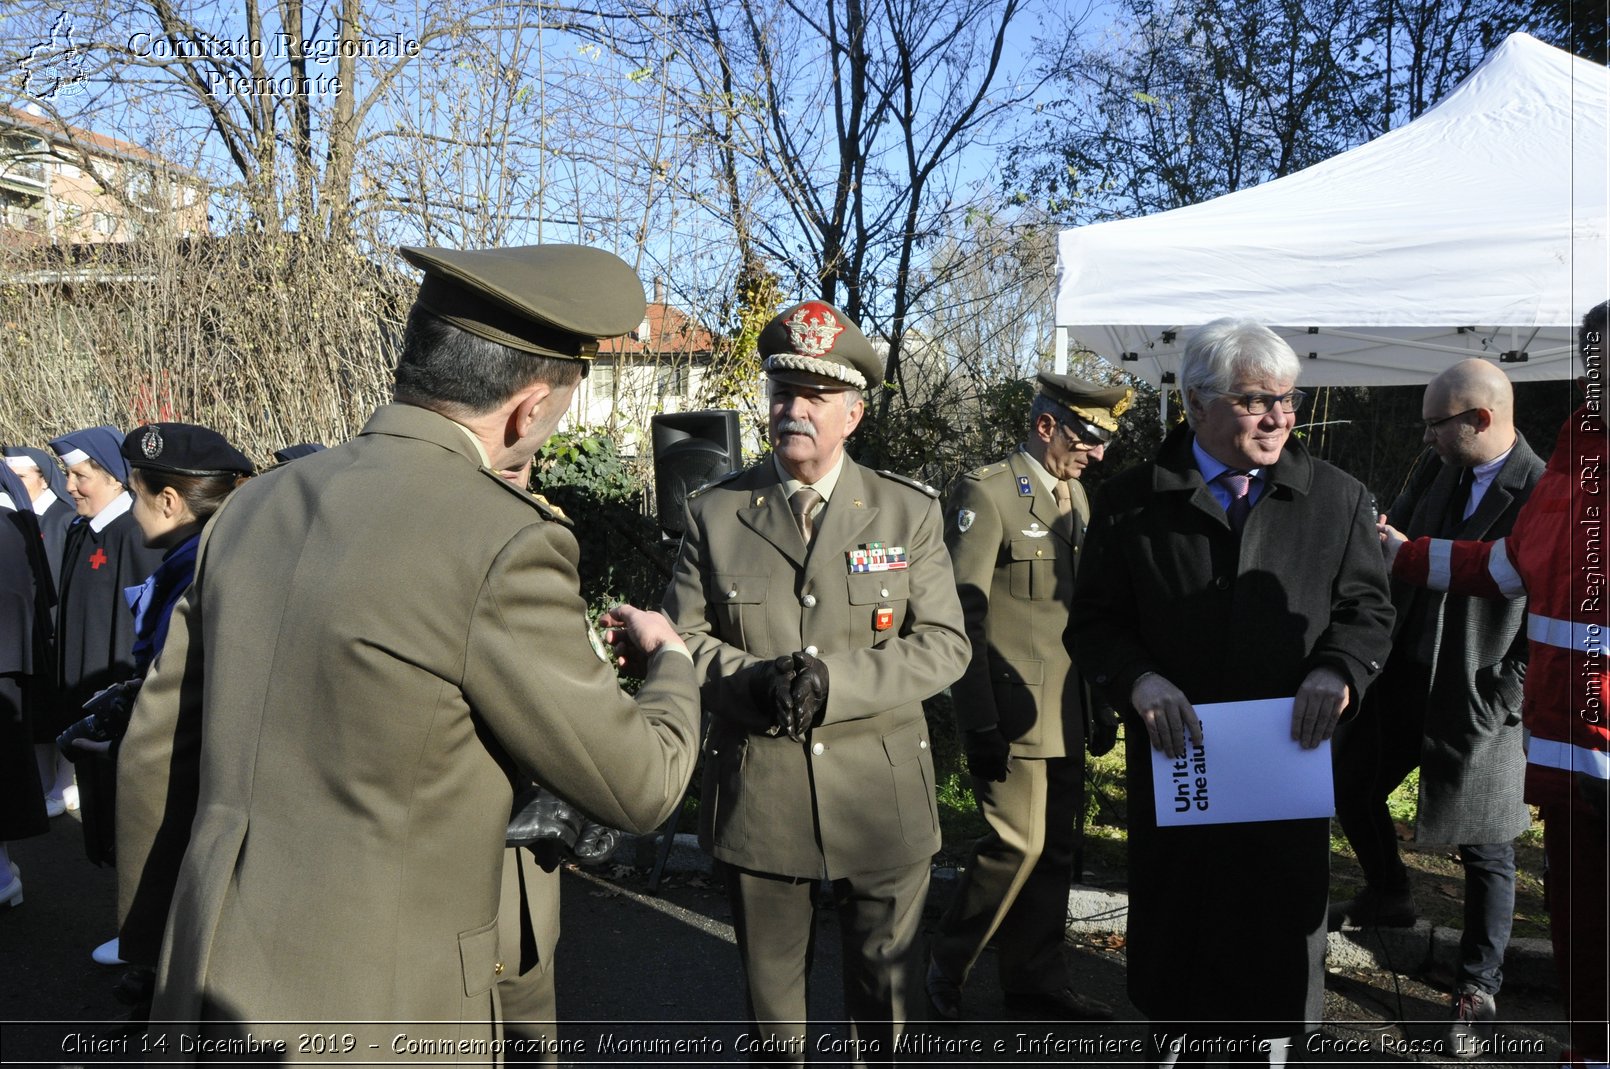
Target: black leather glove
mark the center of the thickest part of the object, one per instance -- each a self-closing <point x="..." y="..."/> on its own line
<point x="1101" y="733"/>
<point x="807" y="698"/>
<point x="595" y="843"/>
<point x="538" y="815"/>
<point x="108" y="719"/>
<point x="987" y="751"/>
<point x="771" y="688"/>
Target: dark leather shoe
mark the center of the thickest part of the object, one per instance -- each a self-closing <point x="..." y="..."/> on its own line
<point x="1373" y="909"/>
<point x="1058" y="1004"/>
<point x="944" y="994"/>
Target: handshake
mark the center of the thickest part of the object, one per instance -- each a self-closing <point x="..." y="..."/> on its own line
<point x="790" y="694"/>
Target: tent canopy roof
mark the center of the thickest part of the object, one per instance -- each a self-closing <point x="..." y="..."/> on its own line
<point x="1479" y="229"/>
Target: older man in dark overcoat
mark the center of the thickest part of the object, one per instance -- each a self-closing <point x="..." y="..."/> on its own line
<point x="1235" y="566"/>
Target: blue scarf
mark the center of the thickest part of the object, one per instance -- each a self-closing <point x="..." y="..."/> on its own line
<point x="154" y="599"/>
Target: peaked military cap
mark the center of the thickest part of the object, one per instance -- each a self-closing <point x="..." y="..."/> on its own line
<point x="553" y="300"/>
<point x="183" y="449"/>
<point x="813" y="341"/>
<point x="1098" y="406"/>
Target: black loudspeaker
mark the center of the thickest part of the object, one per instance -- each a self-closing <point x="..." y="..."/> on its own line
<point x="691" y="449"/>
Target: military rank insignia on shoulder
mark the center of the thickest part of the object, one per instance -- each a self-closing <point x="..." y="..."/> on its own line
<point x="920" y="487"/>
<point x="551" y="511"/>
<point x="979" y="474"/>
<point x="714" y="483"/>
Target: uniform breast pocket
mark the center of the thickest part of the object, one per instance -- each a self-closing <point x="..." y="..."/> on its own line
<point x="1033" y="568"/>
<point x="738" y="603"/>
<point x="878" y="603"/>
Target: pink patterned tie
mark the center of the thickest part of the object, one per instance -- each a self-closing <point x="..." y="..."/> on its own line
<point x="1239" y="483"/>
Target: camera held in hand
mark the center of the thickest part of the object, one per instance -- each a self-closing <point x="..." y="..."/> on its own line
<point x="107" y="721"/>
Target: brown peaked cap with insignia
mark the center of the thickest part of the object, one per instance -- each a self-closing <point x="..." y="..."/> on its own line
<point x="814" y="344"/>
<point x="553" y="300"/>
<point x="1095" y="404"/>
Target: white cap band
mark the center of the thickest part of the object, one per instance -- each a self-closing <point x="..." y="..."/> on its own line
<point x="76" y="456"/>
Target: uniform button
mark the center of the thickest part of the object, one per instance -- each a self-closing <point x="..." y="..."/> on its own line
<point x="1039" y="553"/>
<point x="731" y="594"/>
<point x="809" y="601"/>
<point x="818" y="749"/>
<point x="883" y="593"/>
<point x="922" y="744"/>
<point x="1221" y="582"/>
<point x="810" y="651"/>
<point x="497" y="968"/>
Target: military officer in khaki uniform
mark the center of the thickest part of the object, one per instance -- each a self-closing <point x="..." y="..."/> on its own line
<point x="1013" y="529"/>
<point x="382" y="638"/>
<point x="817" y="600"/>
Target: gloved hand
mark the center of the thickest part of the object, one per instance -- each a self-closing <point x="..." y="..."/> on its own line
<point x="771" y="688"/>
<point x="807" y="698"/>
<point x="595" y="843"/>
<point x="539" y="814"/>
<point x="108" y="721"/>
<point x="987" y="751"/>
<point x="1101" y="733"/>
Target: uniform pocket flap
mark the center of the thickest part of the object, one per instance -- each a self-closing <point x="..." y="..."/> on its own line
<point x="907" y="743"/>
<point x="1033" y="549"/>
<point x="1026" y="673"/>
<point x="478" y="952"/>
<point x="869" y="588"/>
<point x="737" y="589"/>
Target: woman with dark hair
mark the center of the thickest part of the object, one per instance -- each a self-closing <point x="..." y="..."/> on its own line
<point x="179" y="475"/>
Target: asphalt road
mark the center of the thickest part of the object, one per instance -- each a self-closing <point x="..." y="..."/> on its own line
<point x="638" y="971"/>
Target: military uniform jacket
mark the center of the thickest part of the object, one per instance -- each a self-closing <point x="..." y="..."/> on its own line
<point x="1472" y="758"/>
<point x="1014" y="562"/>
<point x="858" y="794"/>
<point x="318" y="770"/>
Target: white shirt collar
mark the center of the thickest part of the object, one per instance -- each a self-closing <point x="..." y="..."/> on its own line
<point x="120" y="504"/>
<point x="823" y="486"/>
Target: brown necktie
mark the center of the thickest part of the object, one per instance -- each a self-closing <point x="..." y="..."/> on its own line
<point x="803" y="503"/>
<point x="1064" y="499"/>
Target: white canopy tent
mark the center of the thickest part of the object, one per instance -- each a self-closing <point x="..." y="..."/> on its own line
<point x="1476" y="230"/>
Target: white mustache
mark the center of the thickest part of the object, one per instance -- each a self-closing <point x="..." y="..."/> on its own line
<point x="796" y="426"/>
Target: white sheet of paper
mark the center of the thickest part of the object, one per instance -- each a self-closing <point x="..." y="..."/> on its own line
<point x="1247" y="768"/>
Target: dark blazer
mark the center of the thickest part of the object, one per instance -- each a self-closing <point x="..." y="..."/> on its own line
<point x="1227" y="922"/>
<point x="1473" y="756"/>
<point x="858" y="795"/>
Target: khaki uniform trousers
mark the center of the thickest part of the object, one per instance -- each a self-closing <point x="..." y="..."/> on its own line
<point x="879" y="913"/>
<point x="1015" y="888"/>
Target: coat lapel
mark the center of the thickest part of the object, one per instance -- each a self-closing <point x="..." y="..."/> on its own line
<point x="846" y="518"/>
<point x="768" y="515"/>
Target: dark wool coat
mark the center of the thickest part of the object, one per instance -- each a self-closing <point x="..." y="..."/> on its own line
<point x="94" y="638"/>
<point x="1473" y="756"/>
<point x="1227" y="922"/>
<point x="25" y="597"/>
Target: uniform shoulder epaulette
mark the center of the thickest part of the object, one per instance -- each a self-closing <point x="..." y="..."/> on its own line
<point x="551" y="511"/>
<point x="987" y="471"/>
<point x="714" y="483"/>
<point x="915" y="484"/>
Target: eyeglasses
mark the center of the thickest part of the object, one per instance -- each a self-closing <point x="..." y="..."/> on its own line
<point x="1256" y="404"/>
<point x="1433" y="424"/>
<point x="1084" y="433"/>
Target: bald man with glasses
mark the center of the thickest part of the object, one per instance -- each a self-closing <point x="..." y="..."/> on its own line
<point x="1449" y="700"/>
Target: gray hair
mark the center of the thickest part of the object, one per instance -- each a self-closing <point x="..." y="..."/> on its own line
<point x="1218" y="353"/>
